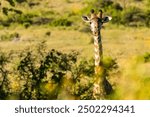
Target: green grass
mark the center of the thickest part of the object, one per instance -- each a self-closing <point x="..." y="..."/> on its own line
<point x="118" y="42"/>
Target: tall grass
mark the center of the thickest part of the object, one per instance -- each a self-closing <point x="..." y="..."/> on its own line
<point x="135" y="80"/>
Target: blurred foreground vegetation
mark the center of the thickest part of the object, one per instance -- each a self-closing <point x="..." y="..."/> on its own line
<point x="41" y="74"/>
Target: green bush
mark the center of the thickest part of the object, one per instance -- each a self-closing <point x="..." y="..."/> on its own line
<point x="133" y="15"/>
<point x="147" y="57"/>
<point x="13" y="2"/>
<point x="117" y="7"/>
<point x="61" y="22"/>
<point x="17" y="16"/>
<point x="4" y="81"/>
<point x="138" y="0"/>
<point x="35" y="70"/>
<point x="52" y="67"/>
<point x="20" y="1"/>
<point x="42" y="74"/>
<point x="147" y="18"/>
<point x="9" y="37"/>
<point x="107" y="6"/>
<point x="130" y="16"/>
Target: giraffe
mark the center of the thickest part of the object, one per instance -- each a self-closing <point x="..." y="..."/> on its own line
<point x="96" y="21"/>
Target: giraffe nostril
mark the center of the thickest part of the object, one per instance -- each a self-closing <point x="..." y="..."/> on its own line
<point x="94" y="32"/>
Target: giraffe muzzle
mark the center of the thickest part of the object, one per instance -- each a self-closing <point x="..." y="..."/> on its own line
<point x="95" y="33"/>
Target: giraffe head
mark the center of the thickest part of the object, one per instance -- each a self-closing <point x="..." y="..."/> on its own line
<point x="96" y="21"/>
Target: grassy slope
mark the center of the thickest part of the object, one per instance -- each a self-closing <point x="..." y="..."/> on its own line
<point x="117" y="42"/>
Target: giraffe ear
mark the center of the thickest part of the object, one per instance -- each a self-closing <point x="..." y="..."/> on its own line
<point x="106" y="19"/>
<point x="86" y="18"/>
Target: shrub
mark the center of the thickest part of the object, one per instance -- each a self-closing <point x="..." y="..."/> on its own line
<point x="116" y="17"/>
<point x="4" y="81"/>
<point x="12" y="2"/>
<point x="109" y="63"/>
<point x="117" y="7"/>
<point x="61" y="22"/>
<point x="104" y="4"/>
<point x="133" y="15"/>
<point x="9" y="37"/>
<point x="68" y="1"/>
<point x="41" y="20"/>
<point x="138" y="0"/>
<point x="147" y="19"/>
<point x="43" y="74"/>
<point x="20" y="1"/>
<point x="32" y="4"/>
<point x="52" y="67"/>
<point x="147" y="57"/>
<point x="48" y="33"/>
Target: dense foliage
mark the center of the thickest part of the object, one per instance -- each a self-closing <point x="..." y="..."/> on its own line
<point x="38" y="74"/>
<point x="122" y="13"/>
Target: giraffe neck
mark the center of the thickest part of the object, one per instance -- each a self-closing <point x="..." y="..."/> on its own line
<point x="98" y="49"/>
<point x="97" y="88"/>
